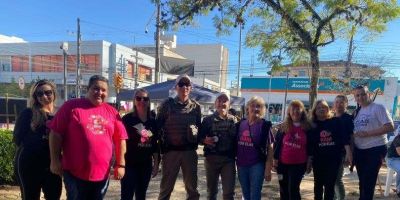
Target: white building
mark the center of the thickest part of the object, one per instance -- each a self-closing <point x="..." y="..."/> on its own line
<point x="211" y="60"/>
<point x="44" y="60"/>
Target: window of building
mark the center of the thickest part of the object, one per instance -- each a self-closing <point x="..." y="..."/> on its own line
<point x="20" y="63"/>
<point x="47" y="63"/>
<point x="364" y="74"/>
<point x="302" y="73"/>
<point x="144" y="73"/>
<point x="283" y="74"/>
<point x="326" y="73"/>
<point x="55" y="63"/>
<point x="130" y="70"/>
<point x="90" y="63"/>
<point x="5" y="63"/>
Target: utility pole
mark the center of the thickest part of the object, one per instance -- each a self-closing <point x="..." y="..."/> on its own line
<point x="286" y="91"/>
<point x="240" y="51"/>
<point x="136" y="69"/>
<point x="64" y="47"/>
<point x="78" y="61"/>
<point x="157" y="64"/>
<point x="347" y="72"/>
<point x="269" y="94"/>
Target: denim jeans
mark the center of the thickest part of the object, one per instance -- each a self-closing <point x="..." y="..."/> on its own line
<point x="78" y="189"/>
<point x="135" y="181"/>
<point x="394" y="163"/>
<point x="251" y="179"/>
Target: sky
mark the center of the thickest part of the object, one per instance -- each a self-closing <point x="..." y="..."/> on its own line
<point x="125" y="21"/>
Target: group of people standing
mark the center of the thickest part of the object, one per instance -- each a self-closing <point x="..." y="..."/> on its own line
<point x="87" y="137"/>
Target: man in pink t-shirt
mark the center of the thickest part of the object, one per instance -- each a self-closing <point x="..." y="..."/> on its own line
<point x="85" y="131"/>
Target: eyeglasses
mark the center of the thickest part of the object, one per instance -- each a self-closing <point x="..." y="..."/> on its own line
<point x="142" y="98"/>
<point x="48" y="93"/>
<point x="180" y="84"/>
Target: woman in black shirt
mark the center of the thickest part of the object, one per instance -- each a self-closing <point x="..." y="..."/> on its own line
<point x="142" y="155"/>
<point x="327" y="143"/>
<point x="32" y="159"/>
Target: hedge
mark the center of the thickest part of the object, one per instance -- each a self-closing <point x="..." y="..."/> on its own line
<point x="7" y="152"/>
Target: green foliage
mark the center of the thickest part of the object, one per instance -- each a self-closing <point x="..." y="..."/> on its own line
<point x="284" y="28"/>
<point x="7" y="152"/>
<point x="288" y="29"/>
<point x="12" y="89"/>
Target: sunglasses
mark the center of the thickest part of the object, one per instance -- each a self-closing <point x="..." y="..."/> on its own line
<point x="180" y="84"/>
<point x="142" y="98"/>
<point x="48" y="93"/>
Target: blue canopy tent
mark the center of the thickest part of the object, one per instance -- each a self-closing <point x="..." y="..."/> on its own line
<point x="161" y="91"/>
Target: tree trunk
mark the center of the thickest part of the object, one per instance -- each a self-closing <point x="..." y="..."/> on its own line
<point x="314" y="58"/>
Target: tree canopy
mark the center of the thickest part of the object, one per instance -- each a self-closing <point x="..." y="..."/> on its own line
<point x="287" y="29"/>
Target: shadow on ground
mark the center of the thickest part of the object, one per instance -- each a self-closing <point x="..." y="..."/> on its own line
<point x="270" y="190"/>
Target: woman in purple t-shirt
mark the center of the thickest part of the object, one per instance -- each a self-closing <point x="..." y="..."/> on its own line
<point x="254" y="138"/>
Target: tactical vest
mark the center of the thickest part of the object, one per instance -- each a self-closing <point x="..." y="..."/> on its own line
<point x="180" y="129"/>
<point x="225" y="130"/>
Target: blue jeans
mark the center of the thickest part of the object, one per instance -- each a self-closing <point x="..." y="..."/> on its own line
<point x="394" y="163"/>
<point x="251" y="179"/>
<point x="78" y="189"/>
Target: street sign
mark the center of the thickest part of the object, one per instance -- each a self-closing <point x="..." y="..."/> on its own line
<point x="21" y="82"/>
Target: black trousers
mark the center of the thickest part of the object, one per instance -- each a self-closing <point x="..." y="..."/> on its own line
<point x="290" y="177"/>
<point x="368" y="162"/>
<point x="33" y="175"/>
<point x="325" y="169"/>
<point x="135" y="181"/>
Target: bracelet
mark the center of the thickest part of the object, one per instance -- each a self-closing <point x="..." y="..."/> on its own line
<point x="120" y="166"/>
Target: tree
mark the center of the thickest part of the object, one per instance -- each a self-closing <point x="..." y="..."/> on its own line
<point x="286" y="29"/>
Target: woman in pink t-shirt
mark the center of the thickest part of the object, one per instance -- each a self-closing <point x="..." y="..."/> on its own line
<point x="291" y="155"/>
<point x="86" y="131"/>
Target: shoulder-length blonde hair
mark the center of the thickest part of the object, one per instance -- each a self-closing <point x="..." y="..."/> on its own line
<point x="313" y="115"/>
<point x="288" y="123"/>
<point x="256" y="100"/>
<point x="39" y="116"/>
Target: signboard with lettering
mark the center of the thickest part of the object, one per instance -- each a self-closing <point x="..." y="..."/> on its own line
<point x="325" y="85"/>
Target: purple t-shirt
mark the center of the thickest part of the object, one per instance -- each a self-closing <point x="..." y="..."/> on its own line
<point x="247" y="154"/>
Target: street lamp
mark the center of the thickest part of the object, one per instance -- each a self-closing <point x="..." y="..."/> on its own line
<point x="64" y="47"/>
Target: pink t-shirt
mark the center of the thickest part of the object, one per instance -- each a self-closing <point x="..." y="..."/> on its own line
<point x="88" y="133"/>
<point x="294" y="149"/>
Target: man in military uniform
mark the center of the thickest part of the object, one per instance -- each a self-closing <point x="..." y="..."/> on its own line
<point x="218" y="134"/>
<point x="179" y="119"/>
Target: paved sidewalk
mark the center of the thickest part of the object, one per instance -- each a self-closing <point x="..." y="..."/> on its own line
<point x="270" y="190"/>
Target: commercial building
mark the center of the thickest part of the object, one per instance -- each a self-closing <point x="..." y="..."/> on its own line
<point x="333" y="69"/>
<point x="273" y="90"/>
<point x="33" y="60"/>
<point x="210" y="61"/>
